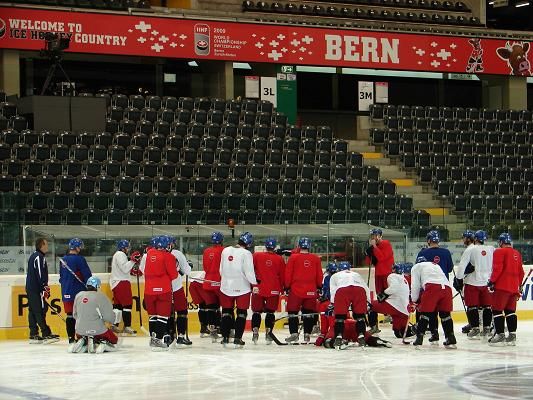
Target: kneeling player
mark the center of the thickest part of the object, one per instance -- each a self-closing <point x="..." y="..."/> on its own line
<point x="91" y="311"/>
<point x="393" y="301"/>
<point x="349" y="289"/>
<point x="437" y="298"/>
<point x="349" y="335"/>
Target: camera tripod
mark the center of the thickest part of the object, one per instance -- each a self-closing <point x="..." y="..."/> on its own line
<point x="56" y="64"/>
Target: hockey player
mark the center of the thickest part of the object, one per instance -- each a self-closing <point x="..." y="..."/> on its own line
<point x="237" y="277"/>
<point x="436" y="254"/>
<point x="393" y="301"/>
<point x="468" y="241"/>
<point x="38" y="292"/>
<point x="506" y="284"/>
<point x="437" y="297"/>
<point x="211" y="285"/>
<point x="119" y="280"/>
<point x="160" y="270"/>
<point x="199" y="297"/>
<point x="381" y="256"/>
<point x="92" y="310"/>
<point x="347" y="289"/>
<point x="73" y="273"/>
<point x="303" y="277"/>
<point x="179" y="301"/>
<point x="269" y="270"/>
<point x="349" y="335"/>
<point x="473" y="272"/>
<point x="324" y="302"/>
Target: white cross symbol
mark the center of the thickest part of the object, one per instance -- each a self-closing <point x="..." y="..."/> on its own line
<point x="420" y="52"/>
<point x="259" y="45"/>
<point x="275" y="55"/>
<point x="294" y="34"/>
<point x="174" y="34"/>
<point x="284" y="50"/>
<point x="254" y="35"/>
<point x="420" y="62"/>
<point x="173" y="45"/>
<point x="141" y="39"/>
<point x="183" y="36"/>
<point x="274" y="43"/>
<point x="295" y="43"/>
<point x="453" y="46"/>
<point x="301" y="58"/>
<point x="302" y="49"/>
<point x="143" y="27"/>
<point x="434" y="44"/>
<point x="444" y="54"/>
<point x="155" y="33"/>
<point x="454" y="60"/>
<point x="163" y="39"/>
<point x="262" y="53"/>
<point x="130" y="30"/>
<point x="435" y="63"/>
<point x="414" y="47"/>
<point x="152" y="39"/>
<point x="293" y="51"/>
<point x="448" y="65"/>
<point x="432" y="55"/>
<point x="263" y="38"/>
<point x="310" y="53"/>
<point x="307" y="39"/>
<point x="182" y="45"/>
<point x="281" y="36"/>
<point x="157" y="47"/>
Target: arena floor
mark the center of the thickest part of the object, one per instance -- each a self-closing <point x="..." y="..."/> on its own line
<point x="207" y="371"/>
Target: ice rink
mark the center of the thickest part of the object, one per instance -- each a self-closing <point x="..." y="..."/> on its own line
<point x="208" y="371"/>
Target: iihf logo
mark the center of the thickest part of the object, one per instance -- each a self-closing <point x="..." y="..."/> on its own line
<point x="2" y="28"/>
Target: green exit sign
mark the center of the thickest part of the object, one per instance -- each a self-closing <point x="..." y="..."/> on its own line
<point x="287" y="69"/>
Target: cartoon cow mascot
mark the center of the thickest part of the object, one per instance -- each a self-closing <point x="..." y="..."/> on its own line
<point x="516" y="57"/>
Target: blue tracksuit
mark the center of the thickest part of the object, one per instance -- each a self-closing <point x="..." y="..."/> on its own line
<point x="70" y="286"/>
<point x="440" y="256"/>
<point x="37" y="277"/>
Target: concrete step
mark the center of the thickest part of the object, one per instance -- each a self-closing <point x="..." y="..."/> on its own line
<point x="366" y="148"/>
<point x="417" y="203"/>
<point x="391" y="173"/>
<point x="377" y="161"/>
<point x="411" y="190"/>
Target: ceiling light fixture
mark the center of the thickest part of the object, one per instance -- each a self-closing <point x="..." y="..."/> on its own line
<point x="522" y="4"/>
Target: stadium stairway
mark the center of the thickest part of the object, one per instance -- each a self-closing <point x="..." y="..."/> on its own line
<point x="424" y="196"/>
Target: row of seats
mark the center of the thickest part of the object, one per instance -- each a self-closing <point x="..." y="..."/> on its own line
<point x="464" y="202"/>
<point x="358" y="13"/>
<point x="394" y="148"/>
<point x="488" y="125"/>
<point x="482" y="217"/>
<point x="517" y="176"/>
<point x="379" y="136"/>
<point x="164" y="184"/>
<point x="387" y="218"/>
<point x="379" y="111"/>
<point x="114" y="5"/>
<point x="448" y="188"/>
<point x="424" y="4"/>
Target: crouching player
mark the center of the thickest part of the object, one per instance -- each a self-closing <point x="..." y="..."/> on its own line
<point x="92" y="310"/>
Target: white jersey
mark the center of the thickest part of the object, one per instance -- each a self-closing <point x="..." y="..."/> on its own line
<point x="183" y="268"/>
<point x="142" y="264"/>
<point x="344" y="279"/>
<point x="236" y="271"/>
<point x="424" y="273"/>
<point x="120" y="269"/>
<point x="480" y="256"/>
<point x="398" y="291"/>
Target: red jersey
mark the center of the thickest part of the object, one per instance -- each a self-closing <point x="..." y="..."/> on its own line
<point x="270" y="273"/>
<point x="211" y="262"/>
<point x="507" y="269"/>
<point x="159" y="272"/>
<point x="303" y="275"/>
<point x="385" y="258"/>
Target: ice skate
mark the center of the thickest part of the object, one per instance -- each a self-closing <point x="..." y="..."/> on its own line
<point x="511" y="339"/>
<point x="294" y="338"/>
<point x="474" y="334"/>
<point x="315" y="331"/>
<point x="450" y="342"/>
<point x="91" y="345"/>
<point x="466" y="328"/>
<point x="232" y="334"/>
<point x="238" y="343"/>
<point x="204" y="331"/>
<point x="129" y="332"/>
<point x="268" y="338"/>
<point x="418" y="341"/>
<point x="497" y="340"/>
<point x="36" y="339"/>
<point x="361" y="341"/>
<point x="182" y="342"/>
<point x="225" y="342"/>
<point x="78" y="347"/>
<point x="50" y="339"/>
<point x="434" y="339"/>
<point x="255" y="335"/>
<point x="213" y="332"/>
<point x="157" y="344"/>
<point x="307" y="338"/>
<point x="383" y="343"/>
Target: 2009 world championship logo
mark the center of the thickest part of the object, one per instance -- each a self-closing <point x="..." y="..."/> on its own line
<point x="2" y="28"/>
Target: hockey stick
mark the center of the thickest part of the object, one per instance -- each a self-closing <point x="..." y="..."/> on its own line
<point x="142" y="328"/>
<point x="460" y="294"/>
<point x="527" y="277"/>
<point x="64" y="264"/>
<point x="405" y="330"/>
<point x="53" y="311"/>
<point x="276" y="340"/>
<point x="187" y="301"/>
<point x="203" y="280"/>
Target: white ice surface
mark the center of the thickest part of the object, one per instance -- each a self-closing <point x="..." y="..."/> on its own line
<point x="207" y="371"/>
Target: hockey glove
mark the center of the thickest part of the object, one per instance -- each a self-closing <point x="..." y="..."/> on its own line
<point x="490" y="285"/>
<point x="469" y="269"/>
<point x="458" y="284"/>
<point x="255" y="290"/>
<point x="382" y="297"/>
<point x="412" y="307"/>
<point x="136" y="257"/>
<point x="46" y="292"/>
<point x="135" y="271"/>
<point x="190" y="264"/>
<point x="329" y="310"/>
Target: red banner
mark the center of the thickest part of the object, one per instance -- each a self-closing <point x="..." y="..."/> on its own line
<point x="189" y="39"/>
